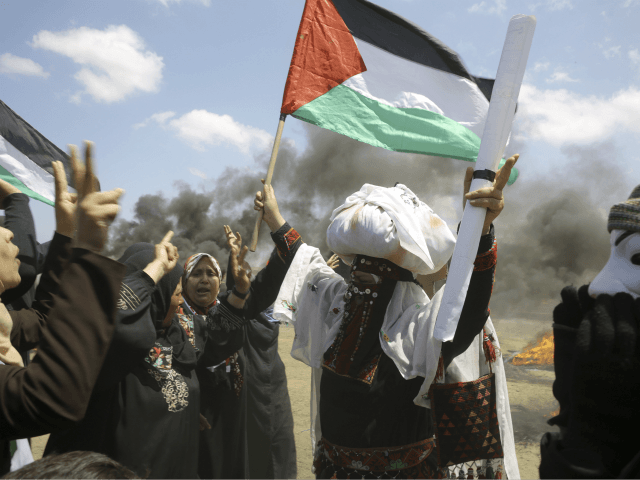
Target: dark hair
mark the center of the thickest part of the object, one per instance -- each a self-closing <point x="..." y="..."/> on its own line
<point x="73" y="465"/>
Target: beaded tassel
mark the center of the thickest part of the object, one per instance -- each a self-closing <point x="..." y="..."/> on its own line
<point x="490" y="353"/>
<point x="440" y="370"/>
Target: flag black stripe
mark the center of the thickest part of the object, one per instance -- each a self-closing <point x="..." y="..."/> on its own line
<point x="30" y="142"/>
<point x="388" y="31"/>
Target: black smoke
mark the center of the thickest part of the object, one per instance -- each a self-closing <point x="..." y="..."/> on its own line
<point x="551" y="234"/>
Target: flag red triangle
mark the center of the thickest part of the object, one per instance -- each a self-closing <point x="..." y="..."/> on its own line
<point x="324" y="56"/>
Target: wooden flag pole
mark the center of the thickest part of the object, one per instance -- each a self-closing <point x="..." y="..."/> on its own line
<point x="267" y="180"/>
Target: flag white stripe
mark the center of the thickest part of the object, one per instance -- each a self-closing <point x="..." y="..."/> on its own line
<point x="25" y="170"/>
<point x="401" y="83"/>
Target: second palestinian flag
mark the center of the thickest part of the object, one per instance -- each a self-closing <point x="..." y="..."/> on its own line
<point x="26" y="156"/>
<point x="364" y="72"/>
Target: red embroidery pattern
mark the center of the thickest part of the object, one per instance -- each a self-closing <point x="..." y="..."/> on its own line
<point x="187" y="324"/>
<point x="407" y="461"/>
<point x="354" y="325"/>
<point x="291" y="237"/>
<point x="238" y="379"/>
<point x="365" y="375"/>
<point x="487" y="260"/>
<point x="466" y="421"/>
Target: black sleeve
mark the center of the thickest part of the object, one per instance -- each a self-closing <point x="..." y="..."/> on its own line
<point x="53" y="392"/>
<point x="557" y="461"/>
<point x="225" y="330"/>
<point x="266" y="285"/>
<point x="475" y="310"/>
<point x="19" y="221"/>
<point x="29" y="322"/>
<point x="134" y="333"/>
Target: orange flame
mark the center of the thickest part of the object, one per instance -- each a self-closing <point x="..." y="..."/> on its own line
<point x="537" y="353"/>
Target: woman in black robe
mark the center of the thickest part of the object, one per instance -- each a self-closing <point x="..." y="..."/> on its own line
<point x="144" y="412"/>
<point x="225" y="447"/>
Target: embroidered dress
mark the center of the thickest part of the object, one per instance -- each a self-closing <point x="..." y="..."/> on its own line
<point x="144" y="412"/>
<point x="373" y="365"/>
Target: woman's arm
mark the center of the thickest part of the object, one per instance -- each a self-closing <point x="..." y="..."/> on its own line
<point x="28" y="323"/>
<point x="475" y="310"/>
<point x="225" y="326"/>
<point x="54" y="390"/>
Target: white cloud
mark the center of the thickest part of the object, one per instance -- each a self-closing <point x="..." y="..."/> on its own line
<point x="115" y="63"/>
<point x="198" y="173"/>
<point x="166" y="3"/>
<point x="611" y="51"/>
<point x="628" y="3"/>
<point x="200" y="128"/>
<point x="159" y="118"/>
<point x="497" y="7"/>
<point x="541" y="66"/>
<point x="11" y="64"/>
<point x="559" y="4"/>
<point x="558" y="77"/>
<point x="563" y="117"/>
<point x="634" y="56"/>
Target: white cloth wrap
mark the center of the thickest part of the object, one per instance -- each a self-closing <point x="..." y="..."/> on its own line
<point x="390" y="223"/>
<point x="408" y="323"/>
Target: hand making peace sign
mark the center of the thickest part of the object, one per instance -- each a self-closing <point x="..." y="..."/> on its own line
<point x="490" y="198"/>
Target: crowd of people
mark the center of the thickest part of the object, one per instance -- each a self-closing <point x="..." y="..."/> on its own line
<point x="147" y="367"/>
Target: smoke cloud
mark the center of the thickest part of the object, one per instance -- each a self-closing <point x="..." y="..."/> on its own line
<point x="552" y="232"/>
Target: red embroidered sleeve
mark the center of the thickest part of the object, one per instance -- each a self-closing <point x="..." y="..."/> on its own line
<point x="487" y="260"/>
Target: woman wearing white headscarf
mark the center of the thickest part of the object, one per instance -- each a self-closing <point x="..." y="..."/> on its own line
<point x="370" y="342"/>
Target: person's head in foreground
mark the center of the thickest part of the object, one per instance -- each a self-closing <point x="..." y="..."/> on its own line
<point x="73" y="465"/>
<point x="390" y="224"/>
<point x="9" y="278"/>
<point x="622" y="271"/>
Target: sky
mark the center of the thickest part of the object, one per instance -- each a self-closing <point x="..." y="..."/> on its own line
<point x="180" y="90"/>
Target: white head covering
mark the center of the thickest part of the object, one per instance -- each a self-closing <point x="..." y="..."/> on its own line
<point x="193" y="260"/>
<point x="390" y="223"/>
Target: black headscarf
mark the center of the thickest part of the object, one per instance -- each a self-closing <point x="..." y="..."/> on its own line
<point x="161" y="296"/>
<point x="174" y="335"/>
<point x="133" y="249"/>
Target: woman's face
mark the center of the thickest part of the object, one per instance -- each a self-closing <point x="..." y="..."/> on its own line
<point x="9" y="264"/>
<point x="203" y="283"/>
<point x="176" y="301"/>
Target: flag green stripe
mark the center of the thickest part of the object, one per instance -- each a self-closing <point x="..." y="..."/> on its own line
<point x="6" y="176"/>
<point x="411" y="130"/>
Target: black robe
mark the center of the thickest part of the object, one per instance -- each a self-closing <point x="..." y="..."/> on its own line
<point x="146" y="421"/>
<point x="270" y="438"/>
<point x="225" y="448"/>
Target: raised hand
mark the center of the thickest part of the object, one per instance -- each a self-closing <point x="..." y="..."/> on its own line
<point x="334" y="261"/>
<point x="66" y="202"/>
<point x="6" y="189"/>
<point x="97" y="209"/>
<point x="566" y="320"/>
<point x="605" y="382"/>
<point x="234" y="241"/>
<point x="166" y="258"/>
<point x="269" y="204"/>
<point x="240" y="269"/>
<point x="490" y="198"/>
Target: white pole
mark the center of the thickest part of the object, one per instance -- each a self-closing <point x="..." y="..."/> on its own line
<point x="494" y="139"/>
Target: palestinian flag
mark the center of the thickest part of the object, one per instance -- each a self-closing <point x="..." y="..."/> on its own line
<point x="364" y="72"/>
<point x="26" y="156"/>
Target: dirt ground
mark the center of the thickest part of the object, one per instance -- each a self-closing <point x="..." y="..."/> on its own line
<point x="529" y="392"/>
